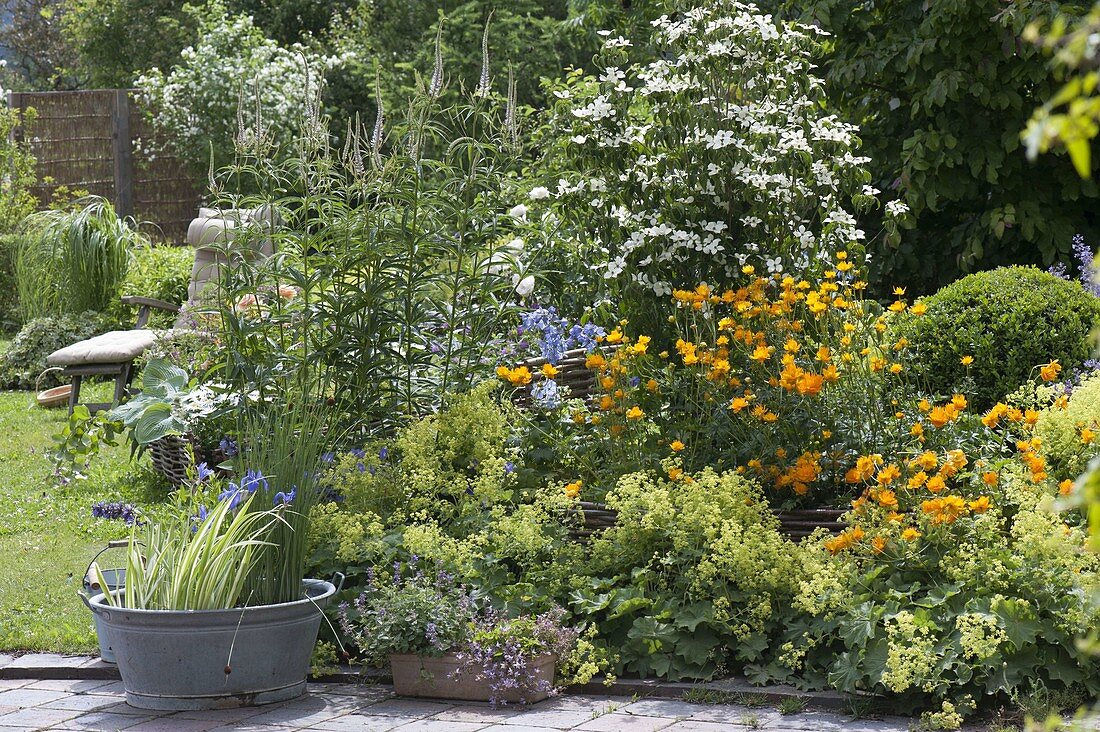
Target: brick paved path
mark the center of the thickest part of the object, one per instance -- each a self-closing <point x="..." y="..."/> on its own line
<point x="69" y="705"/>
<point x="98" y="705"/>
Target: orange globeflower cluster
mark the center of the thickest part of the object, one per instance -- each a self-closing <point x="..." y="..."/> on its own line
<point x="519" y="376"/>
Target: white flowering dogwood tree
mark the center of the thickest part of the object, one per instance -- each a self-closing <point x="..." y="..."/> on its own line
<point x="716" y="155"/>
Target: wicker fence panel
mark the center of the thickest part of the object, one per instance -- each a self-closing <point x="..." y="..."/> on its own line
<point x="86" y="140"/>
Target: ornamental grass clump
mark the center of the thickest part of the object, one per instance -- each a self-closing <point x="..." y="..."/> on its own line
<point x="202" y="562"/>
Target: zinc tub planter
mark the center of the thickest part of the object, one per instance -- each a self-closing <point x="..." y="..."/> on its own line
<point x="436" y="678"/>
<point x="214" y="659"/>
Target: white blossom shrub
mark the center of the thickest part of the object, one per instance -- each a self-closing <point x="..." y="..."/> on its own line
<point x="233" y="87"/>
<point x="716" y="155"/>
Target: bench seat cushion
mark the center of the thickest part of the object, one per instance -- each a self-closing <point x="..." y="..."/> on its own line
<point x="118" y="346"/>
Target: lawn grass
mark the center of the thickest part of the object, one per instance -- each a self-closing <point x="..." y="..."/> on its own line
<point x="47" y="534"/>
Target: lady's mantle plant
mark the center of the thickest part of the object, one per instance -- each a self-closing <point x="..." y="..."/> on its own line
<point x="715" y="155"/>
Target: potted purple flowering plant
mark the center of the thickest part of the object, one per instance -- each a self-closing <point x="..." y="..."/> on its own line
<point x="443" y="640"/>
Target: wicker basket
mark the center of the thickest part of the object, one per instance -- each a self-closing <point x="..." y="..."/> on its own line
<point x="172" y="457"/>
<point x="595" y="517"/>
<point x="572" y="372"/>
<point x="801" y="523"/>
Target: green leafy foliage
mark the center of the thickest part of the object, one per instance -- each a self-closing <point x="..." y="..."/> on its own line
<point x="393" y="42"/>
<point x="985" y="607"/>
<point x="162" y="273"/>
<point x="1060" y="429"/>
<point x="1071" y="118"/>
<point x="25" y="358"/>
<point x="1010" y="320"/>
<point x="690" y="580"/>
<point x="941" y="91"/>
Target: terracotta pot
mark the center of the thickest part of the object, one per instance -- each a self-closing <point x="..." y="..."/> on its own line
<point x="428" y="676"/>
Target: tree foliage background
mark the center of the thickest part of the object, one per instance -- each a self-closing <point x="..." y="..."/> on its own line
<point x="940" y="88"/>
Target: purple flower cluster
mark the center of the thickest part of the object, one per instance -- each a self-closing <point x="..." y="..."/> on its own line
<point x="555" y="335"/>
<point x="1076" y="376"/>
<point x="115" y="511"/>
<point x="252" y="481"/>
<point x="503" y="652"/>
<point x="1088" y="274"/>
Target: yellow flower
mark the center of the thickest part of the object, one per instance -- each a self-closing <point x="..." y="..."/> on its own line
<point x="761" y="353"/>
<point x="615" y="336"/>
<point x="990" y="478"/>
<point x="1050" y="371"/>
<point x="1087" y="435"/>
<point x="674" y="473"/>
<point x="739" y="403"/>
<point x="918" y="308"/>
<point x="572" y="490"/>
<point x="651" y="385"/>
<point x="578" y="417"/>
<point x="549" y="370"/>
<point x="981" y="505"/>
<point x="676" y="446"/>
<point x="910" y="534"/>
<point x="966" y="360"/>
<point x="879" y="544"/>
<point x="516" y="377"/>
<point x="1065" y="487"/>
<point x="634" y="412"/>
<point x="896" y="368"/>
<point x="595" y="361"/>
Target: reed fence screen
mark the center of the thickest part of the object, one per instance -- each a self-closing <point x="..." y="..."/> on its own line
<point x="89" y="140"/>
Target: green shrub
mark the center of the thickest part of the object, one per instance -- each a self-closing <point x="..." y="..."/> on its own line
<point x="690" y="581"/>
<point x="1009" y="320"/>
<point x="158" y="272"/>
<point x="26" y="356"/>
<point x="1065" y="444"/>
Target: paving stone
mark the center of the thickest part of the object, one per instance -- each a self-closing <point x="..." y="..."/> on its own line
<point x="247" y="726"/>
<point x="102" y="721"/>
<point x="221" y="716"/>
<point x="171" y="724"/>
<point x="553" y="718"/>
<point x="815" y="722"/>
<point x="124" y="708"/>
<point x="362" y="723"/>
<point x="5" y="659"/>
<point x="618" y="722"/>
<point x="71" y="685"/>
<point x="483" y="714"/>
<point x="734" y="714"/>
<point x="301" y="712"/>
<point x="82" y="702"/>
<point x="522" y="728"/>
<point x="694" y="725"/>
<point x="436" y="725"/>
<point x="36" y="718"/>
<point x="112" y="687"/>
<point x="46" y="660"/>
<point x="6" y="684"/>
<point x="25" y="697"/>
<point x="411" y="708"/>
<point x="662" y="708"/>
